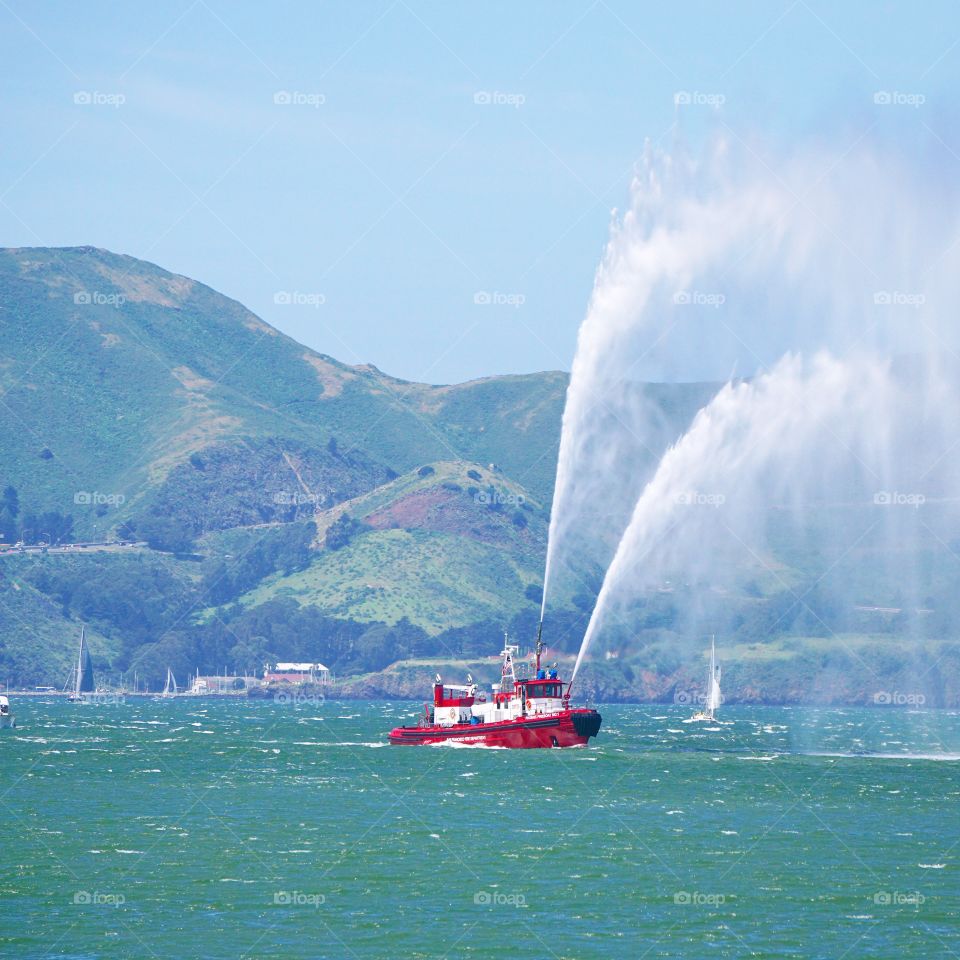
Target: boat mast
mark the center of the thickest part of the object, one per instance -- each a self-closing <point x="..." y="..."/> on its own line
<point x="507" y="671"/>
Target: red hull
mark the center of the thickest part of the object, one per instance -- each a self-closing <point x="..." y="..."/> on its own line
<point x="571" y="728"/>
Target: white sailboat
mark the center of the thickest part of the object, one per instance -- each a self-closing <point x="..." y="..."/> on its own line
<point x="7" y="719"/>
<point x="712" y="699"/>
<point x="83" y="672"/>
<point x="170" y="688"/>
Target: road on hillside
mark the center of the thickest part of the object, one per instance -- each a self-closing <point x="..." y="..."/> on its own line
<point x="89" y="546"/>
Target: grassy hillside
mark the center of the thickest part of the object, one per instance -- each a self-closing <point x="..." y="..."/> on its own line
<point x="115" y="371"/>
<point x="297" y="507"/>
<point x="449" y="544"/>
<point x="38" y="643"/>
<point x="433" y="580"/>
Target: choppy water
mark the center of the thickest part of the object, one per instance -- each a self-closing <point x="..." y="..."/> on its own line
<point x="206" y="829"/>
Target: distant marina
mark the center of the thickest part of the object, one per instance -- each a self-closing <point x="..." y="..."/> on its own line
<point x="277" y="678"/>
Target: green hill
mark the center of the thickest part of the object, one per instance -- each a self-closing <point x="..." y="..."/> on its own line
<point x="284" y="504"/>
<point x="114" y="371"/>
<point x="38" y="642"/>
<point x="444" y="546"/>
<point x="139" y="403"/>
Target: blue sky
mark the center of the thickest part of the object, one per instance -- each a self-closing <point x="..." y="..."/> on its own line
<point x="428" y="184"/>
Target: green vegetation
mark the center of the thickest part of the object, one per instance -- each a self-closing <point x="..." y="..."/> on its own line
<point x="147" y="376"/>
<point x="434" y="580"/>
<point x="295" y="507"/>
<point x="342" y="531"/>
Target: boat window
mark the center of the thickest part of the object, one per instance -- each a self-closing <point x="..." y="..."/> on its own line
<point x="545" y="690"/>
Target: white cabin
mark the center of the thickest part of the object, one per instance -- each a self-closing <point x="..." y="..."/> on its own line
<point x="510" y="699"/>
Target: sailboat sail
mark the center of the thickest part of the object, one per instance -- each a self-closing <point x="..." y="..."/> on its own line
<point x="713" y="682"/>
<point x="170" y="687"/>
<point x="86" y="677"/>
<point x="713" y="698"/>
<point x="82" y="675"/>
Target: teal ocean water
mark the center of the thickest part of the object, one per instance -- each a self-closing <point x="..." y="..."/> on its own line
<point x="198" y="828"/>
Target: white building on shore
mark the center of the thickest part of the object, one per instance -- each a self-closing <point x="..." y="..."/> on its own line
<point x="296" y="673"/>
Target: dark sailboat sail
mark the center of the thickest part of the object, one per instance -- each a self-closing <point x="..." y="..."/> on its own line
<point x="82" y="672"/>
<point x="86" y="675"/>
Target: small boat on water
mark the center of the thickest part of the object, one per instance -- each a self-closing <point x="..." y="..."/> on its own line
<point x="82" y="680"/>
<point x="518" y="712"/>
<point x="170" y="688"/>
<point x="713" y="697"/>
<point x="7" y="719"/>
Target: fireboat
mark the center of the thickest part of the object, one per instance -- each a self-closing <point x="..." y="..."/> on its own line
<point x="518" y="712"/>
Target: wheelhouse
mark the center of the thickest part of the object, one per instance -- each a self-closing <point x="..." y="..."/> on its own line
<point x="552" y="689"/>
<point x="453" y="695"/>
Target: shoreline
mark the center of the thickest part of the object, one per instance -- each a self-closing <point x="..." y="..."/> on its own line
<point x="294" y="695"/>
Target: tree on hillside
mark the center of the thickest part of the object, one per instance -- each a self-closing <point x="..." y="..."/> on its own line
<point x="534" y="592"/>
<point x="9" y="509"/>
<point x="10" y="501"/>
<point x="177" y="650"/>
<point x="165" y="533"/>
<point x="49" y="527"/>
<point x="218" y="585"/>
<point x="342" y="531"/>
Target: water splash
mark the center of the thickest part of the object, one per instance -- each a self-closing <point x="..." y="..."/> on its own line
<point x="741" y="263"/>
